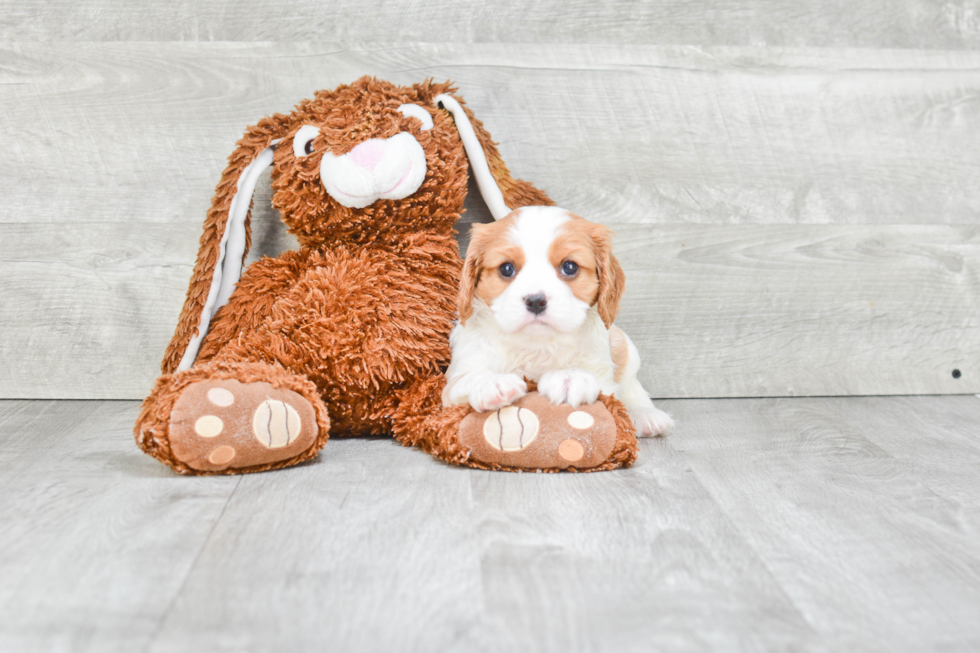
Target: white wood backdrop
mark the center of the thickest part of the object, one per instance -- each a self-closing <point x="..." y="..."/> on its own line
<point x="795" y="220"/>
<point x="945" y="24"/>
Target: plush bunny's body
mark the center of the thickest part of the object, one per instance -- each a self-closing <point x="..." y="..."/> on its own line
<point x="349" y="334"/>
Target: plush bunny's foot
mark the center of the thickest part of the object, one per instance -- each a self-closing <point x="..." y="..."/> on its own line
<point x="226" y="424"/>
<point x="535" y="434"/>
<point x="530" y="434"/>
<point x="232" y="418"/>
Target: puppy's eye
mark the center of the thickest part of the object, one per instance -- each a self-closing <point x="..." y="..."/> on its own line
<point x="569" y="268"/>
<point x="415" y="111"/>
<point x="303" y="141"/>
<point x="507" y="270"/>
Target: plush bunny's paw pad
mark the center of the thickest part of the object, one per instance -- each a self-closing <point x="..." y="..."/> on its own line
<point x="533" y="433"/>
<point x="226" y="424"/>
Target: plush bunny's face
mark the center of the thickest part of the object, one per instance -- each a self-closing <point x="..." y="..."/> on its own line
<point x="378" y="168"/>
<point x="368" y="160"/>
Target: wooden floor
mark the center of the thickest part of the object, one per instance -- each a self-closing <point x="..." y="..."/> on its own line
<point x="806" y="524"/>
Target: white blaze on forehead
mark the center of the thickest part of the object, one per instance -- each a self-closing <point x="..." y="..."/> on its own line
<point x="534" y="230"/>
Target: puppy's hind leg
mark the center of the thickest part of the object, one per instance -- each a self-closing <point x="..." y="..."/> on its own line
<point x="648" y="420"/>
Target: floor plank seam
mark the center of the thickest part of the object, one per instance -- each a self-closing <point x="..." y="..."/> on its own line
<point x="758" y="556"/>
<point x="190" y="571"/>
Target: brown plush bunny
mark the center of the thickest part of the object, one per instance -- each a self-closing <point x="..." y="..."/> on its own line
<point x="349" y="334"/>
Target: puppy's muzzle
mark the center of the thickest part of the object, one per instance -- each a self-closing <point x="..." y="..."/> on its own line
<point x="536" y="303"/>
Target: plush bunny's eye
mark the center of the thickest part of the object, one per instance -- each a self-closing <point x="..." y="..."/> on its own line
<point x="303" y="141"/>
<point x="415" y="111"/>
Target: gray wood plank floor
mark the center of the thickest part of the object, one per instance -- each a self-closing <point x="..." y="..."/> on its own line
<point x="809" y="524"/>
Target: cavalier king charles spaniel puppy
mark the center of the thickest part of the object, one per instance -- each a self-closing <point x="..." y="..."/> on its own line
<point x="539" y="293"/>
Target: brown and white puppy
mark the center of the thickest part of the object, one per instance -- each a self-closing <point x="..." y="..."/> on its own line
<point x="539" y="294"/>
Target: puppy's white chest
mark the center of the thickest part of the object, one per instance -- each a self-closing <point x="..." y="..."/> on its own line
<point x="535" y="359"/>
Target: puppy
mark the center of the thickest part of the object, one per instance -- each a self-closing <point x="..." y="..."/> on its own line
<point x="539" y="293"/>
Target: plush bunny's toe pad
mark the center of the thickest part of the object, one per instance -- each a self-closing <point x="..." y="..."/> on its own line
<point x="534" y="433"/>
<point x="225" y="424"/>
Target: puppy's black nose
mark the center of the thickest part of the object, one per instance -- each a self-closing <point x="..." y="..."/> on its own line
<point x="536" y="303"/>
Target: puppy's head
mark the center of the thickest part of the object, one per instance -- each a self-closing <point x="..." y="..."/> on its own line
<point x="541" y="268"/>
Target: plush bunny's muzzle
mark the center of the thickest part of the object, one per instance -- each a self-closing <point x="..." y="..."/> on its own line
<point x="388" y="169"/>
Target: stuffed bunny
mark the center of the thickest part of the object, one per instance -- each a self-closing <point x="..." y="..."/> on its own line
<point x="349" y="334"/>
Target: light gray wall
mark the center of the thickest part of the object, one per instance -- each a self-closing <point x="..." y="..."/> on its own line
<point x="795" y="220"/>
<point x="925" y="24"/>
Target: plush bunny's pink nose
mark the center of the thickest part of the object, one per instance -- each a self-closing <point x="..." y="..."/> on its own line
<point x="368" y="154"/>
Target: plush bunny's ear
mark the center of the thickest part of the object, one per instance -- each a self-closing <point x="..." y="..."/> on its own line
<point x="500" y="190"/>
<point x="478" y="159"/>
<point x="225" y="241"/>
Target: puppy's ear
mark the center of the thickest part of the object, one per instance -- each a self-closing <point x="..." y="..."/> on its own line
<point x="225" y="241"/>
<point x="612" y="279"/>
<point x="480" y="238"/>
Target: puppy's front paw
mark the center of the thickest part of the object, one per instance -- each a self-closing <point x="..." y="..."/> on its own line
<point x="573" y="386"/>
<point x="493" y="391"/>
<point x="650" y="422"/>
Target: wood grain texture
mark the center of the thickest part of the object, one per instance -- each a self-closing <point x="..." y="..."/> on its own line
<point x="834" y="23"/>
<point x="140" y="132"/>
<point x="97" y="539"/>
<point x="777" y="524"/>
<point x="87" y="308"/>
<point x="114" y="150"/>
<point x="761" y="310"/>
<point x="714" y="310"/>
<point x="832" y="492"/>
